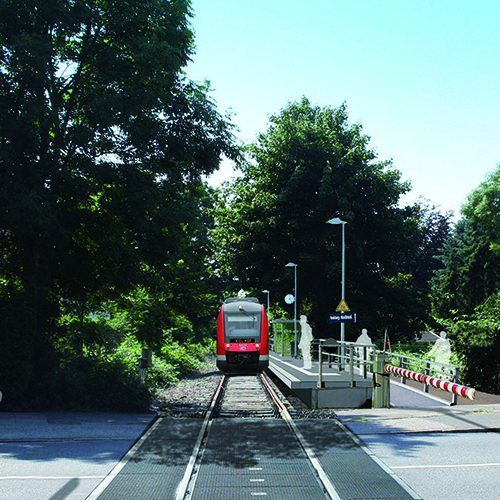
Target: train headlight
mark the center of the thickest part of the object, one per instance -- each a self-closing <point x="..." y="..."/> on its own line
<point x="257" y="346"/>
<point x="228" y="346"/>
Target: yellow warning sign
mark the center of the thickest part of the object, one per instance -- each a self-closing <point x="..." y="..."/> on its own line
<point x="342" y="307"/>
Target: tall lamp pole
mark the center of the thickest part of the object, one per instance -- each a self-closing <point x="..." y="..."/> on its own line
<point x="336" y="221"/>
<point x="291" y="264"/>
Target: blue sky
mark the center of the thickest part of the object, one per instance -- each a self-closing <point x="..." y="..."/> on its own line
<point x="422" y="77"/>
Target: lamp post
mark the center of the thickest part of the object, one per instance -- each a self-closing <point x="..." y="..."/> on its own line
<point x="291" y="264"/>
<point x="336" y="221"/>
<point x="267" y="291"/>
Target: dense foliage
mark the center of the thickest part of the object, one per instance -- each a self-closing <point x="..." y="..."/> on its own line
<point x="309" y="166"/>
<point x="103" y="145"/>
<point x="476" y="341"/>
<point x="470" y="272"/>
<point x="465" y="291"/>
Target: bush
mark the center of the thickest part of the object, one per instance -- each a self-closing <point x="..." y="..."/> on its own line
<point x="91" y="385"/>
<point x="188" y="357"/>
<point x="17" y="350"/>
<point x="477" y="344"/>
<point x="162" y="374"/>
<point x="101" y="376"/>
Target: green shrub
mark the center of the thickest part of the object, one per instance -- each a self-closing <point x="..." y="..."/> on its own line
<point x="17" y="350"/>
<point x="477" y="344"/>
<point x="105" y="385"/>
<point x="94" y="367"/>
<point x="162" y="374"/>
<point x="180" y="356"/>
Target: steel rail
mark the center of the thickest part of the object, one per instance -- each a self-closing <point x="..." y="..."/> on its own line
<point x="182" y="489"/>
<point x="321" y="474"/>
<point x="184" y="492"/>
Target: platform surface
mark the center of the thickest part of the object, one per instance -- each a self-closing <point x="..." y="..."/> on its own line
<point x="295" y="375"/>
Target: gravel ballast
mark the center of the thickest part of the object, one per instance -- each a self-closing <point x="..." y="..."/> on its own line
<point x="191" y="396"/>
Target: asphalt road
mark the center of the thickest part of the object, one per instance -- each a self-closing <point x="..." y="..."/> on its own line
<point x="56" y="470"/>
<point x="443" y="466"/>
<point x="62" y="456"/>
<point x="441" y="452"/>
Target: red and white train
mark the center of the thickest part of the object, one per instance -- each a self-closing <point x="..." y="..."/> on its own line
<point x="242" y="336"/>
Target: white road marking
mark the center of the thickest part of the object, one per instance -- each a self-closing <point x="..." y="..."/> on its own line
<point x="49" y="478"/>
<point x="452" y="466"/>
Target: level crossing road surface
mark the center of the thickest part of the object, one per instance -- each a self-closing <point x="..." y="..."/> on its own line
<point x="56" y="456"/>
<point x="248" y="457"/>
<point x="440" y="452"/>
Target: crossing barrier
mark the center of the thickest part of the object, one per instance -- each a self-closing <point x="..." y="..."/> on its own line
<point x="460" y="390"/>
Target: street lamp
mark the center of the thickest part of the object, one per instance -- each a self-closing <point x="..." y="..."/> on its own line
<point x="336" y="221"/>
<point x="291" y="264"/>
<point x="267" y="291"/>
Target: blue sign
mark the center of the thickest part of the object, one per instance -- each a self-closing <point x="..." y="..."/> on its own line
<point x="343" y="318"/>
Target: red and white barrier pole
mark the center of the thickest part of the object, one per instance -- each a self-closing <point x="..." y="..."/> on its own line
<point x="461" y="390"/>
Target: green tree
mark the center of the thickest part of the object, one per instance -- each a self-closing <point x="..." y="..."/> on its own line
<point x="483" y="208"/>
<point x="432" y="230"/>
<point x="476" y="340"/>
<point x="471" y="256"/>
<point x="103" y="145"/>
<point x="466" y="290"/>
<point x="309" y="166"/>
<point x="470" y="272"/>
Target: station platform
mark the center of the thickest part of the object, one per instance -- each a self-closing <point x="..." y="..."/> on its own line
<point x="336" y="390"/>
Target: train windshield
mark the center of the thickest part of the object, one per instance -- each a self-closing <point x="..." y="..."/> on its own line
<point x="243" y="325"/>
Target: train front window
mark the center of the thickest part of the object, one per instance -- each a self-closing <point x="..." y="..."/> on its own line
<point x="242" y="326"/>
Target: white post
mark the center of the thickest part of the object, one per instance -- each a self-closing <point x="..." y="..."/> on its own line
<point x="295" y="315"/>
<point x="267" y="310"/>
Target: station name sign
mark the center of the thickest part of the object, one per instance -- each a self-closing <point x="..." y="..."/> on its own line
<point x="343" y="318"/>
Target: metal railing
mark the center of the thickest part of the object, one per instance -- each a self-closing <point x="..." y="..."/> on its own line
<point x="282" y="340"/>
<point x="357" y="358"/>
<point x="360" y="358"/>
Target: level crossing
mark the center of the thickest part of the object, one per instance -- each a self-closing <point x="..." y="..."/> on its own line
<point x="245" y="458"/>
<point x="155" y="464"/>
<point x="72" y="453"/>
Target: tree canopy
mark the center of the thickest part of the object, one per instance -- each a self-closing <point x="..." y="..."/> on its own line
<point x="309" y="166"/>
<point x="483" y="208"/>
<point x="103" y="146"/>
<point x="465" y="291"/>
<point x="470" y="258"/>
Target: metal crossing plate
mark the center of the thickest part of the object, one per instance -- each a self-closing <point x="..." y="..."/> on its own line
<point x="354" y="472"/>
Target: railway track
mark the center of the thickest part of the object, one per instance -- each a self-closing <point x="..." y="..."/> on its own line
<point x="246" y="396"/>
<point x="246" y="444"/>
<point x="250" y="397"/>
